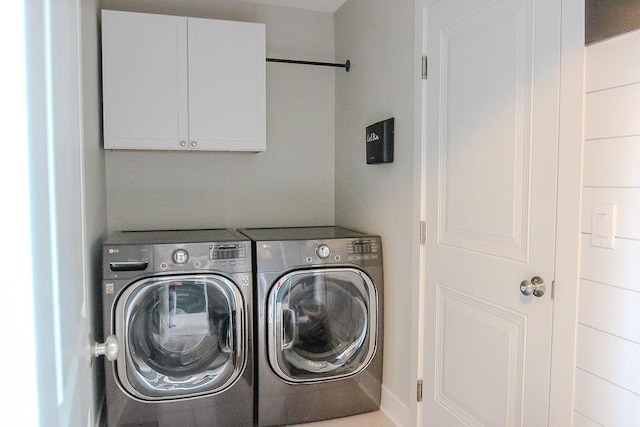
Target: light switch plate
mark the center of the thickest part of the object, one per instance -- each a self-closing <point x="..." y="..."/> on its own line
<point x="603" y="225"/>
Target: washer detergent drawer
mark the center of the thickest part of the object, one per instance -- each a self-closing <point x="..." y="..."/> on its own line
<point x="322" y="324"/>
<point x="183" y="335"/>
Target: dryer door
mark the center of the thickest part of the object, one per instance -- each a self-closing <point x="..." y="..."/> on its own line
<point x="322" y="324"/>
<point x="183" y="336"/>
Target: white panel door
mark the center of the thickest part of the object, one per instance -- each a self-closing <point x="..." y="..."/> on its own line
<point x="491" y="134"/>
<point x="60" y="249"/>
<point x="227" y="98"/>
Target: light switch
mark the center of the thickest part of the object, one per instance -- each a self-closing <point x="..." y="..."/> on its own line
<point x="603" y="225"/>
<point x="601" y="230"/>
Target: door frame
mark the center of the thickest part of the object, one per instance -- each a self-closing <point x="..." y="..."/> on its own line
<point x="567" y="215"/>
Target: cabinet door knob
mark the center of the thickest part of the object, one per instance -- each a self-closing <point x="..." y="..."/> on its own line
<point x="183" y="143"/>
<point x="193" y="143"/>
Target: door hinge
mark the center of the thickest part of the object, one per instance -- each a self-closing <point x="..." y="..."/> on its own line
<point x="424" y="67"/>
<point x="419" y="391"/>
<point x="553" y="289"/>
<point x="423" y="232"/>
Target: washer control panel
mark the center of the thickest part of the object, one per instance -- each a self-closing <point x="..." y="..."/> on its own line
<point x="229" y="257"/>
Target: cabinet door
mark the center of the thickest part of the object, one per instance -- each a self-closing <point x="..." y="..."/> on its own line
<point x="226" y="85"/>
<point x="144" y="63"/>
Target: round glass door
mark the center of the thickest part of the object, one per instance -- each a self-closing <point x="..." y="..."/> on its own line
<point x="183" y="336"/>
<point x="322" y="324"/>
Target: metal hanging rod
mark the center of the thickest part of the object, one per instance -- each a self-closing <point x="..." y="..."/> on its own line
<point x="346" y="65"/>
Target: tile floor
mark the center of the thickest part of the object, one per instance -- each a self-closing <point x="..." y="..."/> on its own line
<point x="372" y="419"/>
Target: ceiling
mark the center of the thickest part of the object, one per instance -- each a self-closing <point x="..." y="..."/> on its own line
<point x="329" y="6"/>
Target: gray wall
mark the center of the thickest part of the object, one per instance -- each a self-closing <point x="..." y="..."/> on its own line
<point x="377" y="36"/>
<point x="292" y="183"/>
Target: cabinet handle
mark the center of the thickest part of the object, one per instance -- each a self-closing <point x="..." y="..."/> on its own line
<point x="193" y="143"/>
<point x="183" y="143"/>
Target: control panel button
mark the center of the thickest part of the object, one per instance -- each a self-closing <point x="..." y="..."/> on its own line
<point x="323" y="251"/>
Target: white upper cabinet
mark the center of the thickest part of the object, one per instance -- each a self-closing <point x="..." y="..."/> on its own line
<point x="178" y="83"/>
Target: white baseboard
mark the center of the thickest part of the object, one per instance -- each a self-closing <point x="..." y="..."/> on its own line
<point x="394" y="409"/>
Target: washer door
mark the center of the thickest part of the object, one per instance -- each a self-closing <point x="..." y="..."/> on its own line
<point x="322" y="324"/>
<point x="183" y="335"/>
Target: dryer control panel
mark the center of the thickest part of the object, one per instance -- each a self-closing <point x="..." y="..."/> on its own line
<point x="362" y="251"/>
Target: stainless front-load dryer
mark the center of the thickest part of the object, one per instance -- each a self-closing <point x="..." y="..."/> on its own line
<point x="178" y="313"/>
<point x="318" y="323"/>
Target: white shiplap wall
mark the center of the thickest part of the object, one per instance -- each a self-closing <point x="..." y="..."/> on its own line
<point x="607" y="388"/>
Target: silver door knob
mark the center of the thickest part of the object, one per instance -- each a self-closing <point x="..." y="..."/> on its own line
<point x="109" y="348"/>
<point x="536" y="287"/>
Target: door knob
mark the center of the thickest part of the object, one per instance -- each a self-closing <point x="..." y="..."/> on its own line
<point x="536" y="287"/>
<point x="108" y="349"/>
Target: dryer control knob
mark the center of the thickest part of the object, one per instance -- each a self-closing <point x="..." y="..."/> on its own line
<point x="323" y="251"/>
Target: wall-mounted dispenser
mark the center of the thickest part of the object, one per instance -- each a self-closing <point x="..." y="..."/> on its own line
<point x="379" y="139"/>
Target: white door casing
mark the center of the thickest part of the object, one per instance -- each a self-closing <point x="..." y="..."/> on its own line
<point x="490" y="146"/>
